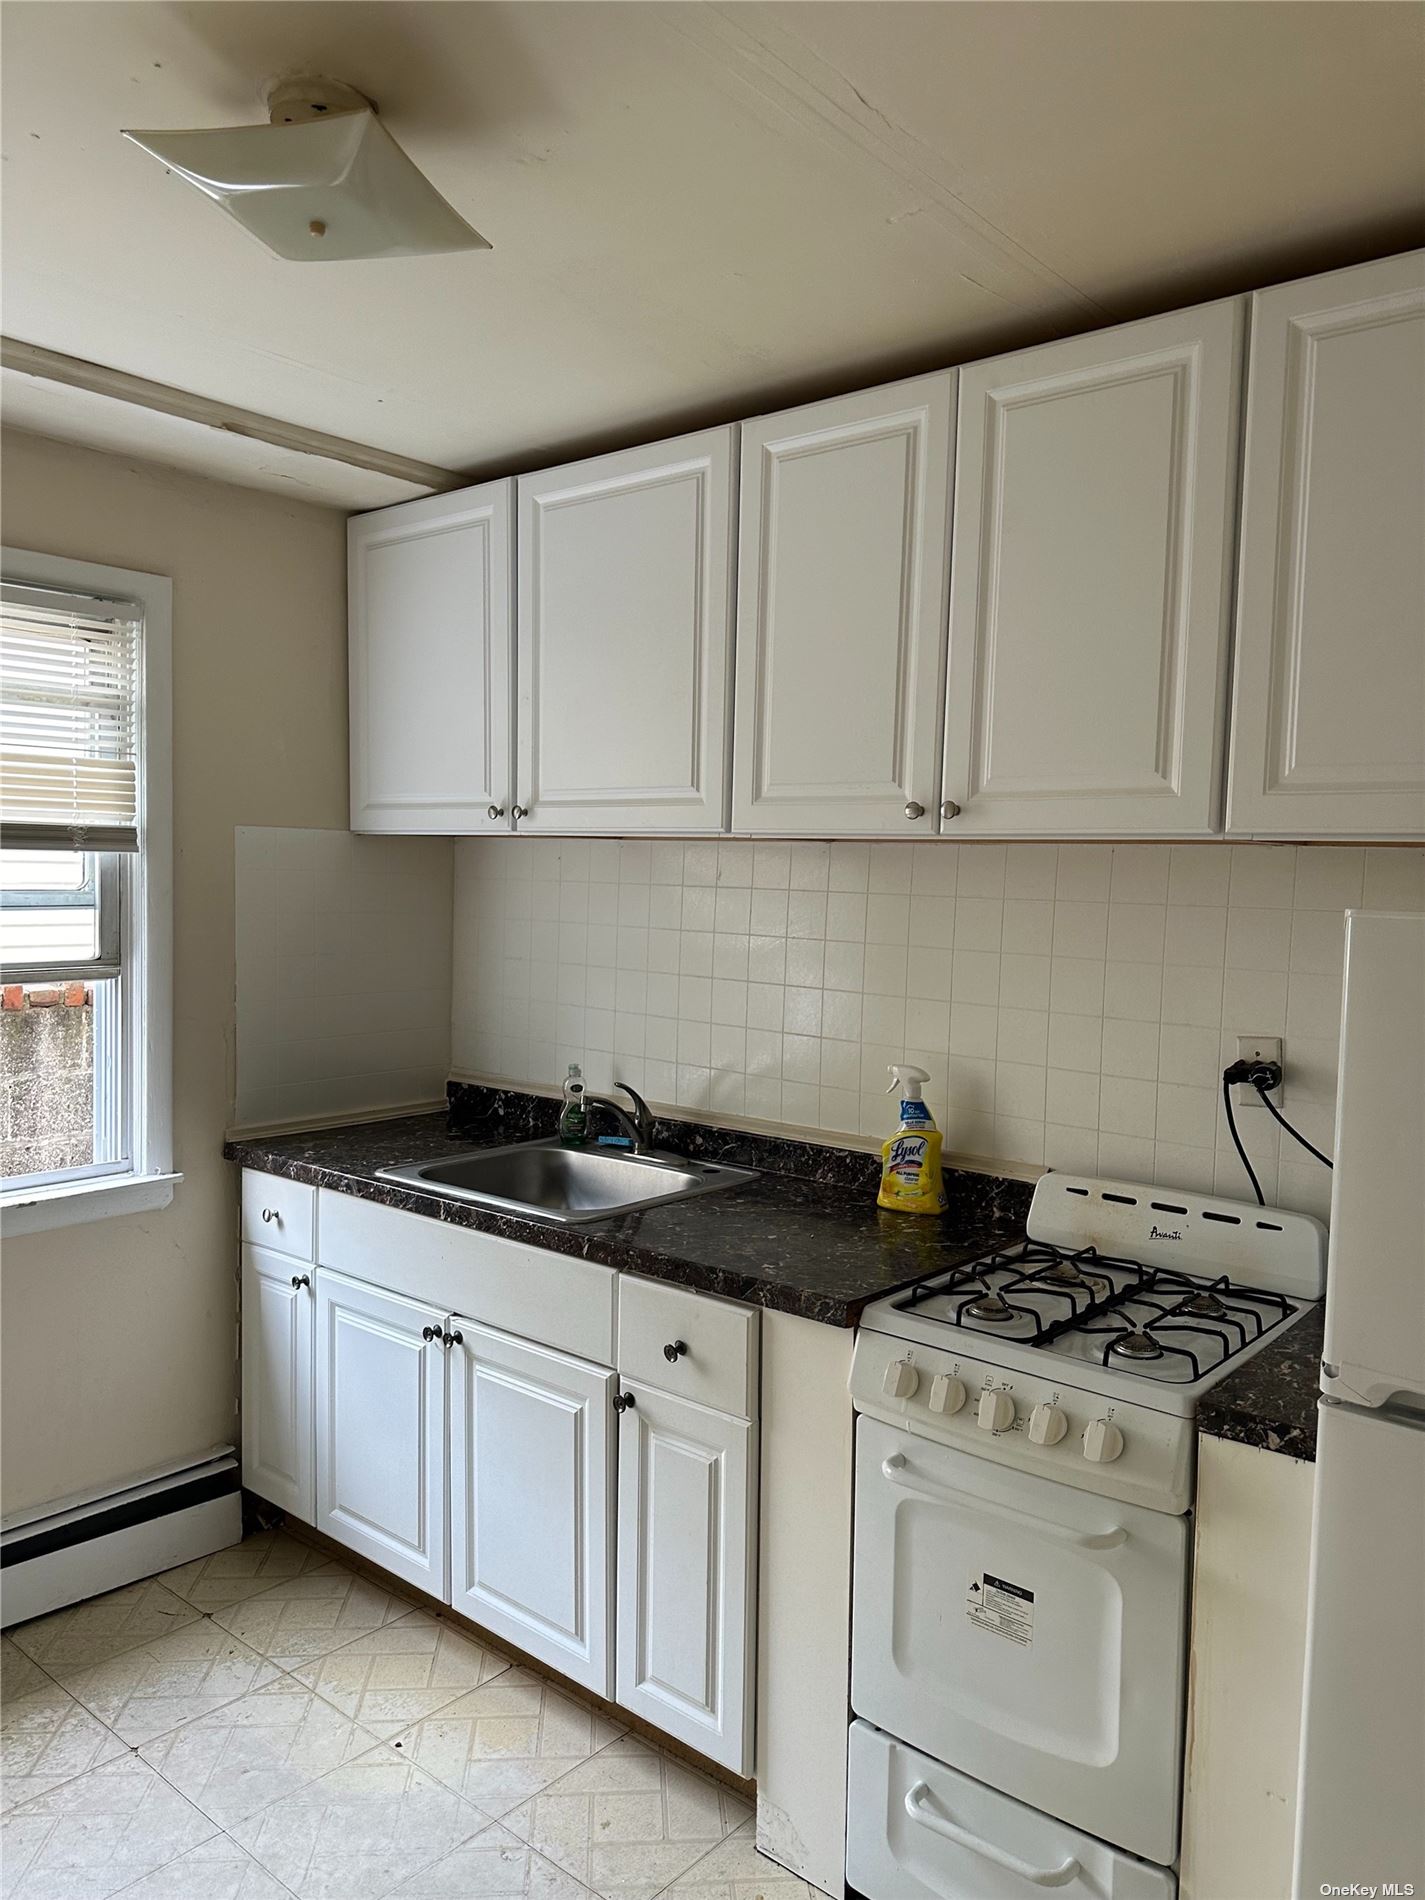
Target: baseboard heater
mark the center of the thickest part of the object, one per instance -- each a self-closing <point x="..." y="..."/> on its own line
<point x="85" y="1546"/>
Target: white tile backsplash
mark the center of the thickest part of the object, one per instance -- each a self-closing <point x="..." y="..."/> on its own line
<point x="343" y="973"/>
<point x="1075" y="1004"/>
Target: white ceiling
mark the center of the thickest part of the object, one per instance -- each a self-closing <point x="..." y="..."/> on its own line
<point x="698" y="210"/>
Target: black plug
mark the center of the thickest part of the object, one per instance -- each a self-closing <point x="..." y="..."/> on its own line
<point x="1261" y="1076"/>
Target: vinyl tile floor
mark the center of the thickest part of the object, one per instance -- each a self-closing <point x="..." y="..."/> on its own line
<point x="266" y="1724"/>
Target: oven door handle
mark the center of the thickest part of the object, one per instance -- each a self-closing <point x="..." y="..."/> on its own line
<point x="924" y="1816"/>
<point x="894" y="1467"/>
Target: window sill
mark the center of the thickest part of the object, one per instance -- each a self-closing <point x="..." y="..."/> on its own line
<point x="32" y="1210"/>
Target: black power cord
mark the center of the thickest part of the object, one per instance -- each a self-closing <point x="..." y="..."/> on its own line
<point x="1227" y="1081"/>
<point x="1261" y="1076"/>
<point x="1277" y="1115"/>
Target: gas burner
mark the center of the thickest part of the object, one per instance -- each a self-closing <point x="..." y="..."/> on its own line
<point x="1204" y="1305"/>
<point x="1137" y="1345"/>
<point x="992" y="1307"/>
<point x="1062" y="1273"/>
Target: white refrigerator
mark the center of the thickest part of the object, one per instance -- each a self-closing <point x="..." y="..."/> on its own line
<point x="1361" y="1795"/>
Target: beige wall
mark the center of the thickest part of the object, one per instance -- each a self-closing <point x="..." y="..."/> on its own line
<point x="118" y="1337"/>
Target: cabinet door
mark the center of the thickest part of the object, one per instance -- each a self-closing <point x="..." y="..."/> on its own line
<point x="843" y="569"/>
<point x="686" y="1554"/>
<point x="532" y="1499"/>
<point x="1328" y="725"/>
<point x="277" y="1421"/>
<point x="1091" y="583"/>
<point x="381" y="1461"/>
<point x="430" y="638"/>
<point x="624" y="639"/>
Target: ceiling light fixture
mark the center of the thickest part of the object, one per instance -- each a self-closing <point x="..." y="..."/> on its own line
<point x="323" y="181"/>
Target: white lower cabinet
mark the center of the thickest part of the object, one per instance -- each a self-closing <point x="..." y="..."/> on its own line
<point x="686" y="1555"/>
<point x="531" y="1499"/>
<point x="603" y="1525"/>
<point x="380" y="1428"/>
<point x="277" y="1452"/>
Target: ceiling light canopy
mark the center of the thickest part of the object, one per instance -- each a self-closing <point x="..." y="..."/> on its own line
<point x="324" y="181"/>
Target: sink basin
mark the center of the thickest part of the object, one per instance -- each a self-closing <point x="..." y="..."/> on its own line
<point x="569" y="1185"/>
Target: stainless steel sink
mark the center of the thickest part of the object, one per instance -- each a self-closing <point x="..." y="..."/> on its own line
<point x="569" y="1185"/>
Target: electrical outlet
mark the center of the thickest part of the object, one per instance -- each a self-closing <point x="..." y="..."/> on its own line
<point x="1254" y="1049"/>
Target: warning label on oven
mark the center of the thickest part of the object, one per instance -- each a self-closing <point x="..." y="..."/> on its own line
<point x="1005" y="1609"/>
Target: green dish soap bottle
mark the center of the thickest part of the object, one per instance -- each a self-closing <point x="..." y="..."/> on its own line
<point x="911" y="1181"/>
<point x="574" y="1118"/>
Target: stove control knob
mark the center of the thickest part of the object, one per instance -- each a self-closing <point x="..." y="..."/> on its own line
<point x="902" y="1381"/>
<point x="1102" y="1442"/>
<point x="996" y="1413"/>
<point x="947" y="1395"/>
<point x="1047" y="1425"/>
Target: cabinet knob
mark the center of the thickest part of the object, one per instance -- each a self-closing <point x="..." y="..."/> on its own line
<point x="519" y="811"/>
<point x="452" y="1339"/>
<point x="429" y="1333"/>
<point x="674" y="1350"/>
<point x="623" y="1401"/>
<point x="270" y="1214"/>
<point x="494" y="811"/>
<point x="300" y="1280"/>
<point x="949" y="809"/>
<point x="914" y="810"/>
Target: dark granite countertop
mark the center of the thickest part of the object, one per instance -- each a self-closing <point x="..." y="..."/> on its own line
<point x="1270" y="1401"/>
<point x="805" y="1238"/>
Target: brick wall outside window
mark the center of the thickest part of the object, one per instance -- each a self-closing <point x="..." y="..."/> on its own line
<point x="46" y="1078"/>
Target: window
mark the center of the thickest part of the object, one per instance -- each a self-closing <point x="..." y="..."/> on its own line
<point x="84" y="891"/>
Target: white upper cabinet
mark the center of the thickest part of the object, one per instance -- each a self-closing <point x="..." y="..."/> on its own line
<point x="843" y="567"/>
<point x="1328" y="724"/>
<point x="625" y="588"/>
<point x="1090" y="594"/>
<point x="431" y="633"/>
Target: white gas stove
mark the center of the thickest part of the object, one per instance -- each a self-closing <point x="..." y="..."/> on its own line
<point x="1024" y="1467"/>
<point x="1058" y="1354"/>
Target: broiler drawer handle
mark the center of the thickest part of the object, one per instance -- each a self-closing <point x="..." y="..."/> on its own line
<point x="937" y="1824"/>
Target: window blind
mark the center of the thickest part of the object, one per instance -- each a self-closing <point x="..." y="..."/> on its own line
<point x="69" y="721"/>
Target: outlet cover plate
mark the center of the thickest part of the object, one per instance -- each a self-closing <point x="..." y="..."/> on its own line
<point x="1255" y="1049"/>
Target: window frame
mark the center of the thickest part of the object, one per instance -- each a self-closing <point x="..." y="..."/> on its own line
<point x="145" y="894"/>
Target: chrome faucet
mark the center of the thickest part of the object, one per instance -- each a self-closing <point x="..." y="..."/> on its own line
<point x="638" y="1127"/>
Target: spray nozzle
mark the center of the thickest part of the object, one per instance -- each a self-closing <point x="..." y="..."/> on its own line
<point x="908" y="1080"/>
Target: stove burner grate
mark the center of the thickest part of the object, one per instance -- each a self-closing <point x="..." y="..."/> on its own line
<point x="1011" y="1286"/>
<point x="1031" y="1268"/>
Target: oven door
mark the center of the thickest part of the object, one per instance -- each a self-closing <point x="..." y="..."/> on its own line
<point x="1023" y="1631"/>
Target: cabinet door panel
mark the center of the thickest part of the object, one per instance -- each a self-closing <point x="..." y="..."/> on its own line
<point x="1329" y="715"/>
<point x="624" y="639"/>
<point x="431" y="635"/>
<point x="843" y="568"/>
<point x="532" y="1496"/>
<point x="277" y="1420"/>
<point x="686" y="1607"/>
<point x="381" y="1462"/>
<point x="1091" y="579"/>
